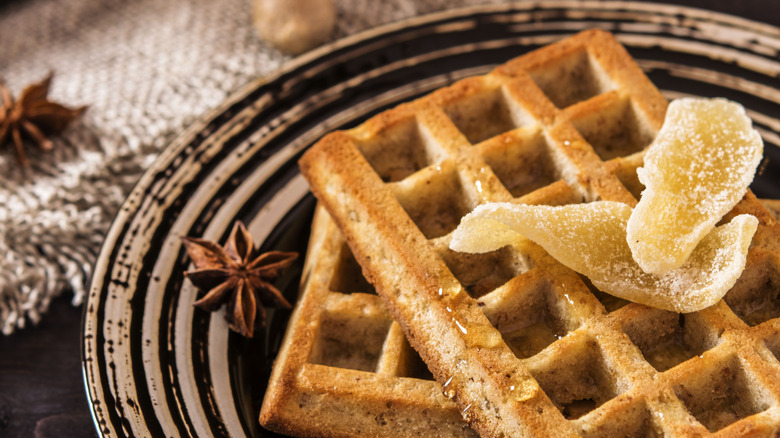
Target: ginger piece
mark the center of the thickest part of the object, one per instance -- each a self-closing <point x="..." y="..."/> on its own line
<point x="698" y="167"/>
<point x="591" y="239"/>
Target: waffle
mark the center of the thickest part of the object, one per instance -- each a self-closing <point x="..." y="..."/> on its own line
<point x="523" y="345"/>
<point x="374" y="385"/>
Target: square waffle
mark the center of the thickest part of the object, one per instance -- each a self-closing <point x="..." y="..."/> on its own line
<point x="523" y="345"/>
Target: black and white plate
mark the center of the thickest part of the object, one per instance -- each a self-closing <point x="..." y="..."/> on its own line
<point x="156" y="366"/>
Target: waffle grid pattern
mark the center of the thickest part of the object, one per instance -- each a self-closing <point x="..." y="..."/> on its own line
<point x="346" y="368"/>
<point x="523" y="345"/>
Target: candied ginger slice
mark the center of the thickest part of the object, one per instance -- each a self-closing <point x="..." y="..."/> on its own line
<point x="591" y="239"/>
<point x="695" y="171"/>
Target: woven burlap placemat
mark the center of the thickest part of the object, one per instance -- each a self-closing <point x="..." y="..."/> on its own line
<point x="147" y="69"/>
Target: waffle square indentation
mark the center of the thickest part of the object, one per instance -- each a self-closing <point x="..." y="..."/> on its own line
<point x="756" y="297"/>
<point x="412" y="365"/>
<point x="347" y="276"/>
<point x="584" y="78"/>
<point x="531" y="339"/>
<point x="629" y="417"/>
<point x="667" y="339"/>
<point x="350" y="340"/>
<point x="610" y="302"/>
<point x="577" y="380"/>
<point x="399" y="151"/>
<point x="482" y="273"/>
<point x="434" y="199"/>
<point x="617" y="130"/>
<point x="721" y="395"/>
<point x="773" y="344"/>
<point x="521" y="160"/>
<point x="533" y="319"/>
<point x="482" y="115"/>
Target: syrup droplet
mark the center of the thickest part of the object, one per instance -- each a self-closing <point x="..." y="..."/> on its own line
<point x="524" y="389"/>
<point x="448" y="389"/>
<point x="466" y="414"/>
<point x="484" y="336"/>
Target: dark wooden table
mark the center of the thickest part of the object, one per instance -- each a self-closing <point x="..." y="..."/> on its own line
<point x="41" y="384"/>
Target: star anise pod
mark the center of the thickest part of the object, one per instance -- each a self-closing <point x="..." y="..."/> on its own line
<point x="33" y="116"/>
<point x="237" y="275"/>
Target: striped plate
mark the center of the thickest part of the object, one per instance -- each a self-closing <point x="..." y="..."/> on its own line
<point x="156" y="366"/>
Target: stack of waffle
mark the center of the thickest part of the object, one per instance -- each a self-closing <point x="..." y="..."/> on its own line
<point x="518" y="344"/>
